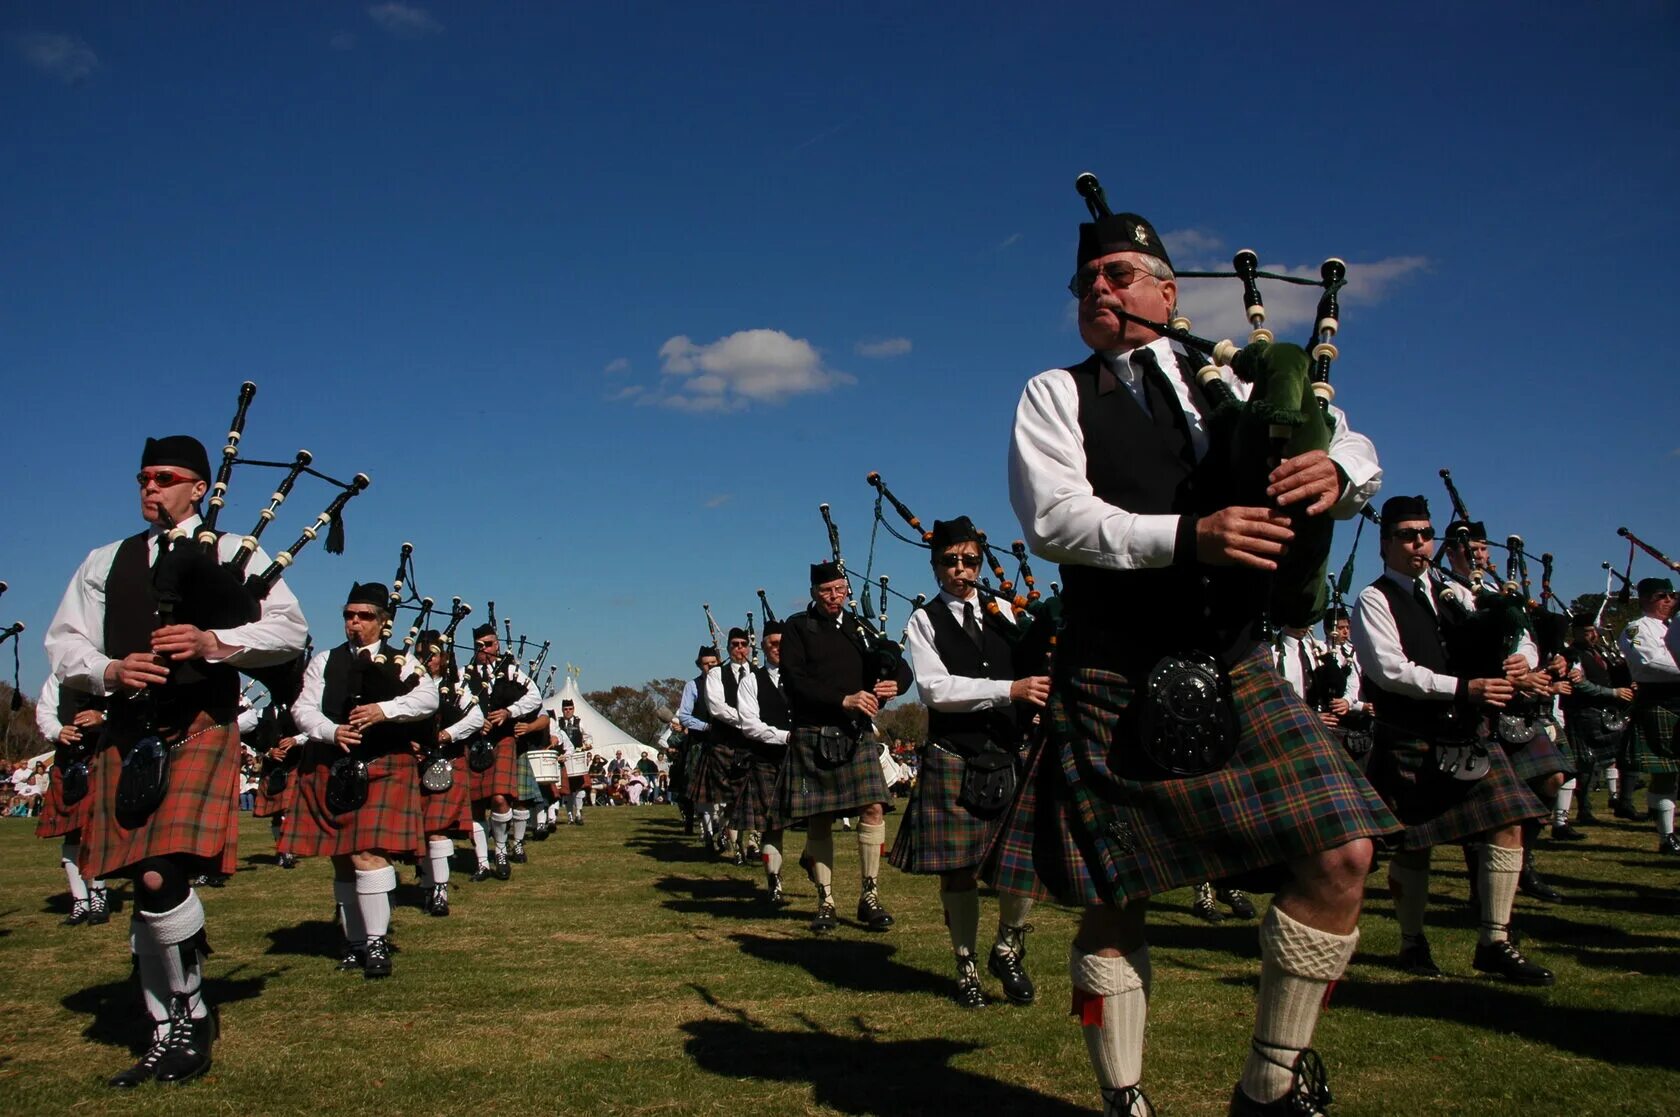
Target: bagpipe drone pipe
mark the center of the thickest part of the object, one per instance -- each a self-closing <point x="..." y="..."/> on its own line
<point x="1287" y="412"/>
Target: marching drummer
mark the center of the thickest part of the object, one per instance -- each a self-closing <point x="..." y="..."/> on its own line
<point x="574" y="749"/>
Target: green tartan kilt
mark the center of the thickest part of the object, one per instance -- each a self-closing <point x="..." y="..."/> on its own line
<point x="389" y="822"/>
<point x="938" y="835"/>
<point x="1439" y="810"/>
<point x="1591" y="745"/>
<point x="1652" y="724"/>
<point x="752" y="793"/>
<point x="529" y="790"/>
<point x="710" y="778"/>
<point x="198" y="816"/>
<point x="1539" y="758"/>
<point x="1086" y="834"/>
<point x="807" y="786"/>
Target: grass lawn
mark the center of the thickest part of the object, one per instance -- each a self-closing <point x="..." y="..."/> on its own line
<point x="625" y="970"/>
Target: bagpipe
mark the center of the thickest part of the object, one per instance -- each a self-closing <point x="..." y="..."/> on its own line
<point x="1481" y="626"/>
<point x="884" y="655"/>
<point x="12" y="632"/>
<point x="1635" y="541"/>
<point x="1287" y="412"/>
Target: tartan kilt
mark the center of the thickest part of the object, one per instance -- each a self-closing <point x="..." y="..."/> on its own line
<point x="1589" y="744"/>
<point x="938" y="834"/>
<point x="1652" y="723"/>
<point x="447" y="812"/>
<point x="752" y="797"/>
<point x="1540" y="757"/>
<point x="267" y="805"/>
<point x="529" y="791"/>
<point x="198" y="815"/>
<point x="710" y="777"/>
<point x="1439" y="811"/>
<point x="501" y="778"/>
<point x="1086" y="834"/>
<point x="389" y="822"/>
<point x="57" y="820"/>
<point x="805" y="786"/>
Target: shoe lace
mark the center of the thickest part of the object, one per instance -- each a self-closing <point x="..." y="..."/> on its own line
<point x="1127" y="1101"/>
<point x="1309" y="1084"/>
<point x="1014" y="939"/>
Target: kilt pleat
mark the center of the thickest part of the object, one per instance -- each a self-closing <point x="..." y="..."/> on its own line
<point x="57" y="820"/>
<point x="448" y="812"/>
<point x="939" y="835"/>
<point x="1539" y="758"/>
<point x="197" y="818"/>
<point x="501" y="778"/>
<point x="1439" y="811"/>
<point x="806" y="786"/>
<point x="710" y="778"/>
<point x="1653" y="723"/>
<point x="529" y="791"/>
<point x="389" y="822"/>
<point x="1086" y="832"/>
<point x="752" y="796"/>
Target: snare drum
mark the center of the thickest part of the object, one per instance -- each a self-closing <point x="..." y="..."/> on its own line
<point x="577" y="764"/>
<point x="545" y="765"/>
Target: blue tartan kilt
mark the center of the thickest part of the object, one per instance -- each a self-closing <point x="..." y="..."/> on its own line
<point x="939" y="835"/>
<point x="752" y="794"/>
<point x="808" y="786"/>
<point x="529" y="790"/>
<point x="1086" y="834"/>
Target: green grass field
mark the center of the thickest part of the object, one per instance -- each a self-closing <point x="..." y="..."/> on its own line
<point x="624" y="970"/>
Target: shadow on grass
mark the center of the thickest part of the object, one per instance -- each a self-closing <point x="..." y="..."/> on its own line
<point x="863" y="966"/>
<point x="730" y="897"/>
<point x="118" y="1018"/>
<point x="318" y="938"/>
<point x="1612" y="1036"/>
<point x="859" y="1073"/>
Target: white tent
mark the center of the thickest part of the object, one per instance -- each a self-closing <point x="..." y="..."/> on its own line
<point x="603" y="736"/>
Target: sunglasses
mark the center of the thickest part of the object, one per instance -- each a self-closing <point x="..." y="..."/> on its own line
<point x="164" y="478"/>
<point x="972" y="562"/>
<point x="1413" y="534"/>
<point x="738" y="644"/>
<point x="360" y="615"/>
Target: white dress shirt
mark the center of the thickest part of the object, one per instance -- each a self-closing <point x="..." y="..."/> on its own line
<point x="1062" y="517"/>
<point x="1376" y="641"/>
<point x="721" y="710"/>
<point x="312" y="721"/>
<point x="941" y="690"/>
<point x="523" y="706"/>
<point x="76" y="638"/>
<point x="752" y="720"/>
<point x="46" y="710"/>
<point x="1648" y="656"/>
<point x="472" y="721"/>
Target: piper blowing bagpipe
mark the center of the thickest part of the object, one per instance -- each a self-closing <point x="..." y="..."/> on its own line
<point x="1287" y="412"/>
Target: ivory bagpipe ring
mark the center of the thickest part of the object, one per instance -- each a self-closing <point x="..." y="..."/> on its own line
<point x="1325" y="351"/>
<point x="1261" y="333"/>
<point x="1225" y="351"/>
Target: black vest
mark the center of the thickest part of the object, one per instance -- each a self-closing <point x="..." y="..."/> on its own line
<point x="1421" y="640"/>
<point x="349" y="681"/>
<point x="1125" y="620"/>
<point x="498" y="695"/>
<point x="454" y="700"/>
<point x="728" y="734"/>
<point x="131" y="616"/>
<point x="1597" y="671"/>
<point x="772" y="703"/>
<point x="971" y="731"/>
<point x="573" y="729"/>
<point x="700" y="711"/>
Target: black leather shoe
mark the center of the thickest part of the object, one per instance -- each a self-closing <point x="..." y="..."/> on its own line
<point x="826" y="920"/>
<point x="144" y="1070"/>
<point x="1669" y="844"/>
<point x="378" y="958"/>
<point x="80" y="913"/>
<point x="1416" y="960"/>
<point x="775" y="883"/>
<point x="870" y="913"/>
<point x="518" y="855"/>
<point x="740" y="857"/>
<point x="482" y="873"/>
<point x="287" y="861"/>
<point x="1563" y="832"/>
<point x="1308" y="1095"/>
<point x="1009" y="966"/>
<point x="186" y="1053"/>
<point x="1533" y="885"/>
<point x="1237" y="900"/>
<point x="1503" y="959"/>
<point x="353" y="959"/>
<point x="1203" y="908"/>
<point x="1625" y="812"/>
<point x="968" y="992"/>
<point x="99" y="907"/>
<point x="439" y="904"/>
<point x="1126" y="1101"/>
<point x="503" y="869"/>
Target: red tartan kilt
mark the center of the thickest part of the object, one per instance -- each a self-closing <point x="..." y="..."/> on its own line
<point x="502" y="777"/>
<point x="448" y="812"/>
<point x="270" y="805"/>
<point x="389" y="822"/>
<point x="56" y="819"/>
<point x="198" y="816"/>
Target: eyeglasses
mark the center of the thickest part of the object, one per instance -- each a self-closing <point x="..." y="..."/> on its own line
<point x="1119" y="276"/>
<point x="1413" y="534"/>
<point x="972" y="562"/>
<point x="164" y="478"/>
<point x="830" y="591"/>
<point x="484" y="645"/>
<point x="360" y="615"/>
<point x="739" y="644"/>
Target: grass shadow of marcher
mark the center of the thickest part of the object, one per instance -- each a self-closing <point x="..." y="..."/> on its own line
<point x="312" y="937"/>
<point x="863" y="966"/>
<point x="118" y="1020"/>
<point x="731" y="897"/>
<point x="860" y="1074"/>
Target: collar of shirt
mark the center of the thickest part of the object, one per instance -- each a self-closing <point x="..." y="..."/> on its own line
<point x="1119" y="362"/>
<point x="955" y="604"/>
<point x="369" y="648"/>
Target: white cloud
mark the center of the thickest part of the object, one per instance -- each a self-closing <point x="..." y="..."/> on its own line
<point x="1185" y="245"/>
<point x="341" y="40"/>
<point x="719" y="500"/>
<point x="629" y="391"/>
<point x="64" y="57"/>
<point x="1214" y="306"/>
<point x="884" y="347"/>
<point x="746" y="367"/>
<point x="405" y="21"/>
<point x="617" y="365"/>
<point x="1009" y="241"/>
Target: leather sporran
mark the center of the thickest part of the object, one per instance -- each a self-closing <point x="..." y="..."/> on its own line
<point x="1186" y="719"/>
<point x="834" y="747"/>
<point x="72" y="783"/>
<point x="143" y="780"/>
<point x="1466" y="763"/>
<point x="436" y="773"/>
<point x="481" y="754"/>
<point x="274" y="781"/>
<point x="988" y="783"/>
<point x="347" y="785"/>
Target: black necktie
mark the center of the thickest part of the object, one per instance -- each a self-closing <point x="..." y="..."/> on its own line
<point x="1164" y="411"/>
<point x="1421" y="596"/>
<point x="1306" y="666"/>
<point x="971" y="624"/>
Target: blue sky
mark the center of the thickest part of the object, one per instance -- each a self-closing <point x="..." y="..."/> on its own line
<point x="607" y="301"/>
